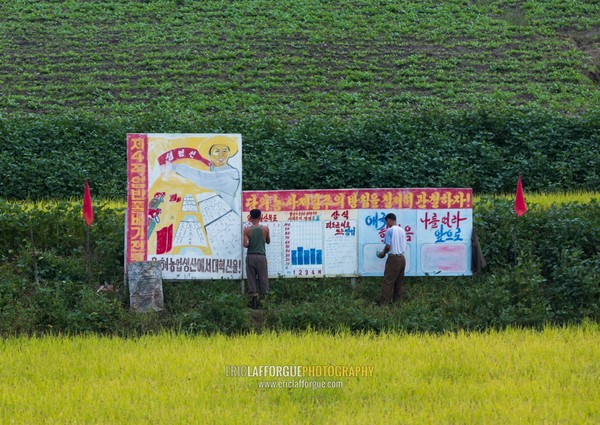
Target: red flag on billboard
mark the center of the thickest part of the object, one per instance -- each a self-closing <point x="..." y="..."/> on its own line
<point x="88" y="212"/>
<point x="520" y="205"/>
<point x="164" y="239"/>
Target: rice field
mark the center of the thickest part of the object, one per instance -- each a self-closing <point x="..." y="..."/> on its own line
<point x="500" y="377"/>
<point x="547" y="199"/>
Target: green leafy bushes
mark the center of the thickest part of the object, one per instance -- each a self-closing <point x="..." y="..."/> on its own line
<point x="575" y="289"/>
<point x="542" y="268"/>
<point x="51" y="156"/>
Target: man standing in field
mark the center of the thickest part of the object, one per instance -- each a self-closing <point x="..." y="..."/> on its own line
<point x="255" y="238"/>
<point x="393" y="275"/>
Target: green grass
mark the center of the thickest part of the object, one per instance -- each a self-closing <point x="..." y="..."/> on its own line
<point x="296" y="58"/>
<point x="509" y="377"/>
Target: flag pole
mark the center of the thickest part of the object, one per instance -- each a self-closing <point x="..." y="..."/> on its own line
<point x="520" y="208"/>
<point x="516" y="221"/>
<point x="88" y="254"/>
<point x="34" y="255"/>
<point x="514" y="235"/>
<point x="88" y="216"/>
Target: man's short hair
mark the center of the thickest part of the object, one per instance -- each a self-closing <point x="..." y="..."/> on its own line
<point x="391" y="216"/>
<point x="255" y="213"/>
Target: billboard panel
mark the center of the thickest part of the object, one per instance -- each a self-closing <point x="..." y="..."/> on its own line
<point x="337" y="232"/>
<point x="184" y="204"/>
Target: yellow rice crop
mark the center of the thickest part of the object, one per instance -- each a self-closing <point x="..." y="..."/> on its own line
<point x="507" y="377"/>
<point x="546" y="200"/>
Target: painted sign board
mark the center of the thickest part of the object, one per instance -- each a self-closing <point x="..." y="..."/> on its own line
<point x="185" y="210"/>
<point x="184" y="204"/>
<point x="318" y="233"/>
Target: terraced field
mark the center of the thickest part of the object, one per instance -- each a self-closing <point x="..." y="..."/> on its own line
<point x="297" y="58"/>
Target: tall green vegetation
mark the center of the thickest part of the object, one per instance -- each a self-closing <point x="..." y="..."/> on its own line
<point x="542" y="268"/>
<point x="483" y="149"/>
<point x="352" y="93"/>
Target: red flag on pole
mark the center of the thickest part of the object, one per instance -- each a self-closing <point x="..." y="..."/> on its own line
<point x="520" y="205"/>
<point x="88" y="212"/>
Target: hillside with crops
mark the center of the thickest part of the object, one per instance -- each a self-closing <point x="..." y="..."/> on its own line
<point x="294" y="59"/>
<point x="461" y="93"/>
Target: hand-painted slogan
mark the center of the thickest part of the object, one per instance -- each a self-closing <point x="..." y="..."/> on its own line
<point x="184" y="203"/>
<point x="317" y="233"/>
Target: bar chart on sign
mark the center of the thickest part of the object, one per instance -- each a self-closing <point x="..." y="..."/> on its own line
<point x="303" y="242"/>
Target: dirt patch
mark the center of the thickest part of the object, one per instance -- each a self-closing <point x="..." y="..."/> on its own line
<point x="588" y="41"/>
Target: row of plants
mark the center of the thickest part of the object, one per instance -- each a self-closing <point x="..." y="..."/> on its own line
<point x="541" y="268"/>
<point x="51" y="156"/>
<point x="295" y="58"/>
